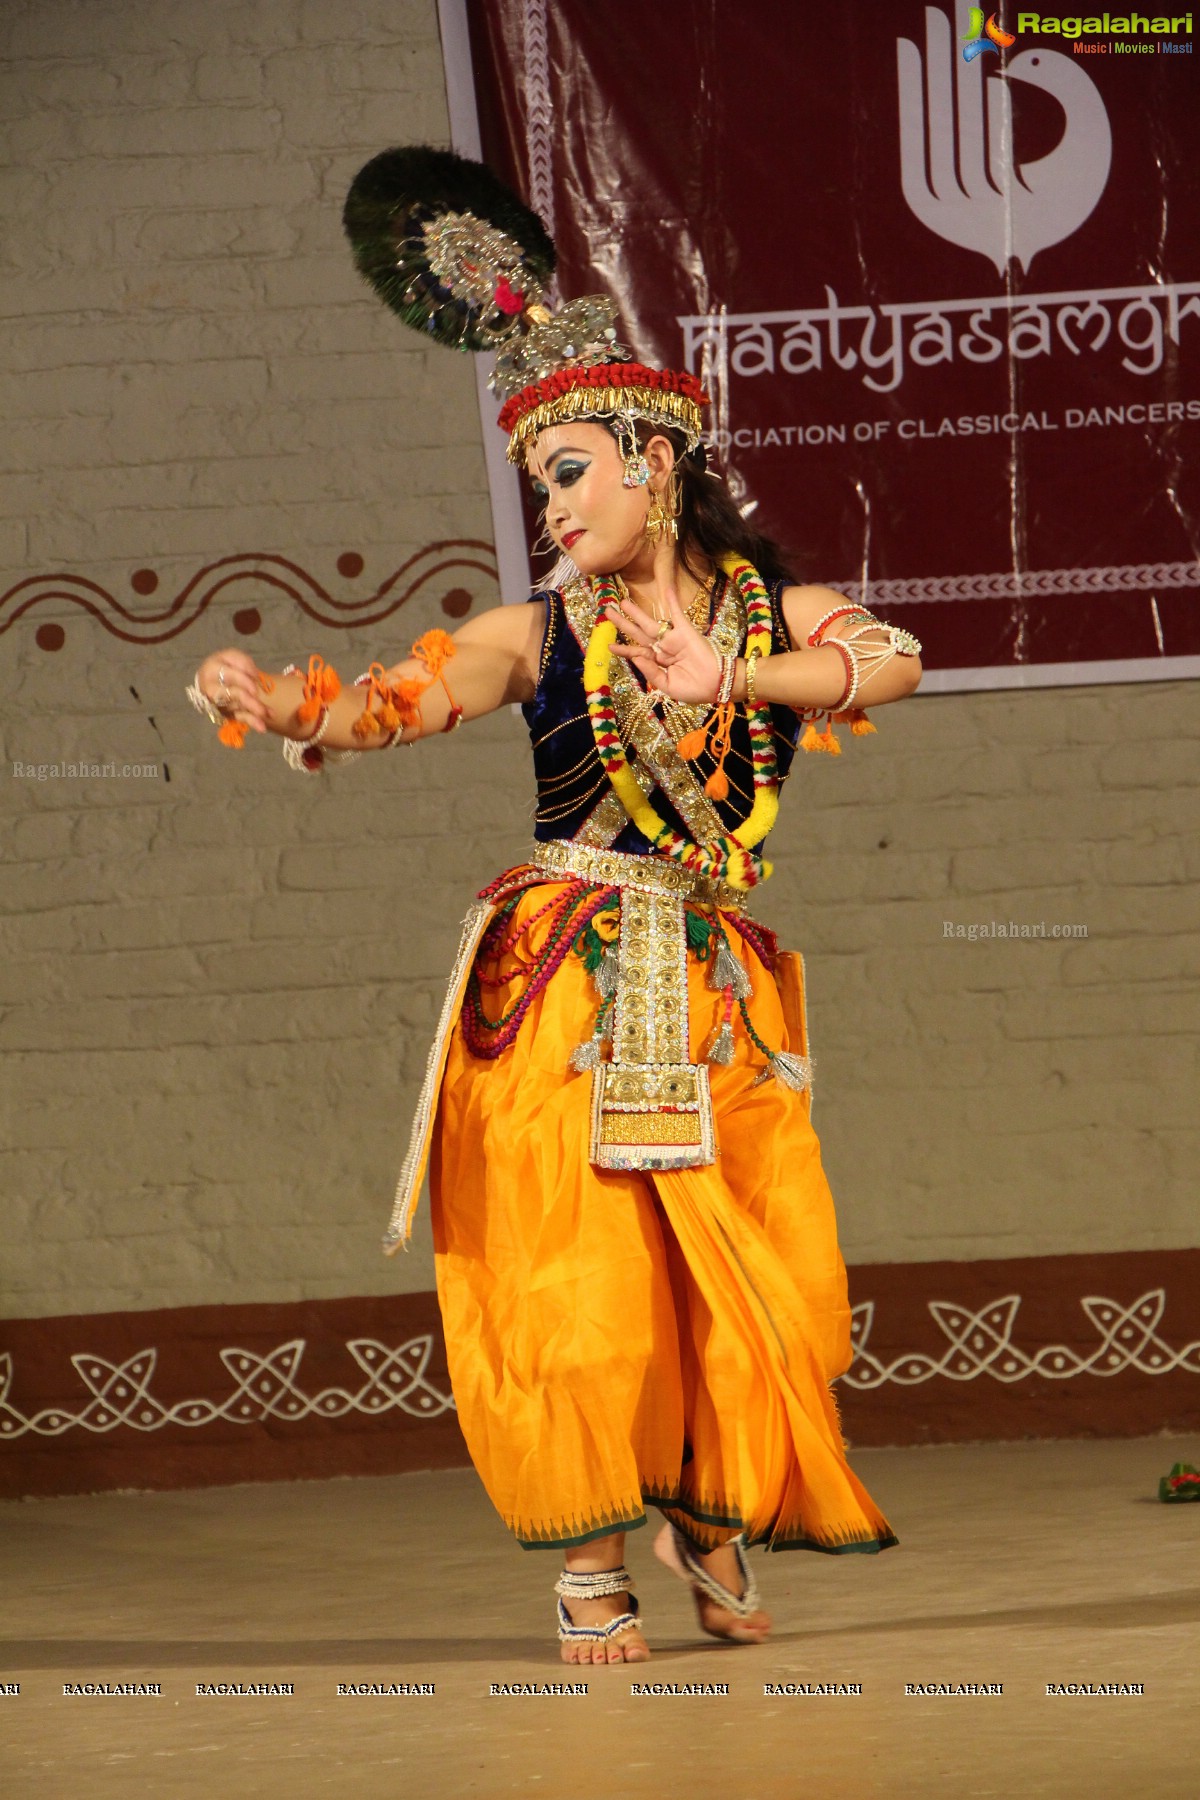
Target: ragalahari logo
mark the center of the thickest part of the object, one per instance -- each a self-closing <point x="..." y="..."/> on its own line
<point x="958" y="169"/>
<point x="981" y="37"/>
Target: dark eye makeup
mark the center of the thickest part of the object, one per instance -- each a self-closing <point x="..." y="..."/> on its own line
<point x="565" y="474"/>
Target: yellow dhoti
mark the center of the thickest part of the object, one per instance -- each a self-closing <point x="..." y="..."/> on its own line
<point x="668" y="1337"/>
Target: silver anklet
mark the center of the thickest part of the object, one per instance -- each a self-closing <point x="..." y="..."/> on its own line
<point x="593" y="1584"/>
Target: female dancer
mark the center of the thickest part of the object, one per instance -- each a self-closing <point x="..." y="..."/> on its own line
<point x="636" y="1255"/>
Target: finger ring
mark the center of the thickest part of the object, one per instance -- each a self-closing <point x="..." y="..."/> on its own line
<point x="663" y="628"/>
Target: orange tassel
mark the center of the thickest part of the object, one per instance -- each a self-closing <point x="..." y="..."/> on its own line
<point x="322" y="685"/>
<point x="233" y="732"/>
<point x="406" y="698"/>
<point x="435" y="649"/>
<point x="389" y="718"/>
<point x="365" y="723"/>
<point x="856" y="719"/>
<point x="811" y="739"/>
<point x="828" y="740"/>
<point x="691" y="745"/>
<point x="724" y="725"/>
<point x="455" y="716"/>
<point x="717" y="785"/>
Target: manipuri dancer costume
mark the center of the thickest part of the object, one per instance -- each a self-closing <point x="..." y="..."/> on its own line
<point x="637" y="1260"/>
<point x="637" y="1263"/>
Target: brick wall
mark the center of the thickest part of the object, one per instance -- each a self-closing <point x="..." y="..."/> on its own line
<point x="217" y="989"/>
<point x="1009" y="1096"/>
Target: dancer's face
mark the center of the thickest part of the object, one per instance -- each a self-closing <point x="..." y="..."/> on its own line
<point x="578" y="476"/>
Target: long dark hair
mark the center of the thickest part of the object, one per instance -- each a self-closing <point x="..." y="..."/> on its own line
<point x="710" y="524"/>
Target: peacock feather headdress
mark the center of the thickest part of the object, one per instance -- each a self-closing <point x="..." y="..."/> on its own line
<point x="454" y="254"/>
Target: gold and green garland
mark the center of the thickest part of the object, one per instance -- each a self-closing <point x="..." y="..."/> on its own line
<point x="731" y="857"/>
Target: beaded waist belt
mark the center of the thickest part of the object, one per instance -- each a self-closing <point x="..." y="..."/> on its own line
<point x="654" y="873"/>
<point x="651" y="1106"/>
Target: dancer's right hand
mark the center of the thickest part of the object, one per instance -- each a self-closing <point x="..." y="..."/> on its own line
<point x="229" y="678"/>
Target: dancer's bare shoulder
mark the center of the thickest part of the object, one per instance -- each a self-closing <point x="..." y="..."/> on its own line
<point x="509" y="639"/>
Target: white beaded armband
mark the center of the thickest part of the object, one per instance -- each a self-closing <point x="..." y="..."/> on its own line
<point x="202" y="703"/>
<point x="863" y="660"/>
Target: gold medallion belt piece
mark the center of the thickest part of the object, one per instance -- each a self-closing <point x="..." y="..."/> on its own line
<point x="651" y="1106"/>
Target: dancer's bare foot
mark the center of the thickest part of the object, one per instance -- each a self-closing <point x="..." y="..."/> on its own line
<point x="630" y="1646"/>
<point x="723" y="1566"/>
<point x="602" y="1555"/>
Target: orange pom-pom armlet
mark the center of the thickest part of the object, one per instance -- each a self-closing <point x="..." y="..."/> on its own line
<point x="368" y="723"/>
<point x="322" y="685"/>
<point x="435" y="649"/>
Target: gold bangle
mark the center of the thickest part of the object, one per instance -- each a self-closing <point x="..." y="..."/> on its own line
<point x="752" y="657"/>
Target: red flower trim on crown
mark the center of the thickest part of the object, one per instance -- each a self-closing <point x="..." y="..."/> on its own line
<point x="600" y="375"/>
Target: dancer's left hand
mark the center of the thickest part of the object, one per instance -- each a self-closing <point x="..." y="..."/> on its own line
<point x="679" y="662"/>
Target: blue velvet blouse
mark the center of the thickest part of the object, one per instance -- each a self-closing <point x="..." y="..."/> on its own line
<point x="570" y="776"/>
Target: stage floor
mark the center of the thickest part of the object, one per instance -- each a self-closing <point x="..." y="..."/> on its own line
<point x="1024" y="1565"/>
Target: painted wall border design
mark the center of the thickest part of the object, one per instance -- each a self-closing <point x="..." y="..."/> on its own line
<point x="1024" y="584"/>
<point x="267" y="1384"/>
<point x="981" y="1343"/>
<point x="252" y="572"/>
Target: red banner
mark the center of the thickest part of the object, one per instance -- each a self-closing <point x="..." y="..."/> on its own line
<point x="940" y="273"/>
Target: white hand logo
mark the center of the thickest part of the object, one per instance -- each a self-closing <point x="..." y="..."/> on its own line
<point x="969" y="191"/>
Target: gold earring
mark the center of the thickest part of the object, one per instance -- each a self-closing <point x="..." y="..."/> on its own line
<point x="637" y="469"/>
<point x="662" y="516"/>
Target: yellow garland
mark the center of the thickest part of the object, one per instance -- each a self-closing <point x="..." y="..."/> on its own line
<point x="765" y="810"/>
